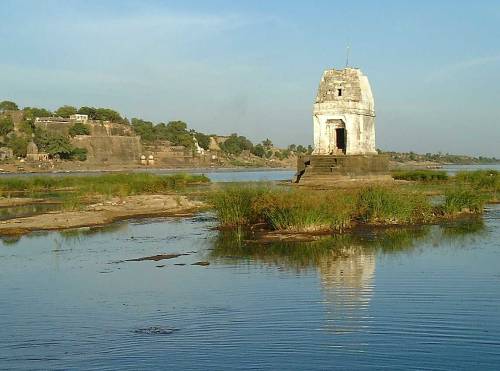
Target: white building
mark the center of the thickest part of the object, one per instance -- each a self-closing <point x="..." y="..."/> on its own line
<point x="344" y="114"/>
<point x="79" y="118"/>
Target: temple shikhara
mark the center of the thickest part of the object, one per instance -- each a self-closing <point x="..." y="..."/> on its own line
<point x="344" y="114"/>
<point x="344" y="130"/>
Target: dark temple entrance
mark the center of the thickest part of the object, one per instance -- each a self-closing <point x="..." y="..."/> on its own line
<point x="340" y="138"/>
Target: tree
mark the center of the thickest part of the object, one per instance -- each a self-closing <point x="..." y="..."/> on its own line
<point x="177" y="133"/>
<point x="8" y="105"/>
<point x="53" y="144"/>
<point x="301" y="149"/>
<point x="27" y="126"/>
<point x="107" y="114"/>
<point x="34" y="112"/>
<point x="292" y="147"/>
<point x="18" y="144"/>
<point x="259" y="150"/>
<point x="236" y="144"/>
<point x="79" y="128"/>
<point x="6" y="125"/>
<point x="66" y="111"/>
<point x="267" y="143"/>
<point x="91" y="112"/>
<point x="203" y="140"/>
<point x="144" y="129"/>
<point x="309" y="149"/>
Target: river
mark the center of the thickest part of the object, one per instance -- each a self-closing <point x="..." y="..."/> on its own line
<point x="417" y="298"/>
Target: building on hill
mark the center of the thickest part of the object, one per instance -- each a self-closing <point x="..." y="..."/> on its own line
<point x="79" y="118"/>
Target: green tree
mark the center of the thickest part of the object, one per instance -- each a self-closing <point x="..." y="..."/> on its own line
<point x="79" y="154"/>
<point x="79" y="128"/>
<point x="91" y="112"/>
<point x="6" y="125"/>
<point x="309" y="149"/>
<point x="27" y="126"/>
<point x="267" y="143"/>
<point x="144" y="129"/>
<point x="53" y="144"/>
<point x="259" y="150"/>
<point x="34" y="112"/>
<point x="8" y="105"/>
<point x="301" y="149"/>
<point x="292" y="147"/>
<point x="236" y="144"/>
<point x="178" y="134"/>
<point x="18" y="144"/>
<point x="107" y="114"/>
<point x="66" y="111"/>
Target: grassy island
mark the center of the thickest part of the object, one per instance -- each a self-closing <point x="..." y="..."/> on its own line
<point x="299" y="210"/>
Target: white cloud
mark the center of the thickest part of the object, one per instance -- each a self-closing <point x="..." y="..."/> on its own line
<point x="449" y="71"/>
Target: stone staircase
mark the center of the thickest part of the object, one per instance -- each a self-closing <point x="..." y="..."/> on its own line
<point x="341" y="167"/>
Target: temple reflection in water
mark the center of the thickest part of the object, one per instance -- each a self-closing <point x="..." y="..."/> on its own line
<point x="347" y="279"/>
<point x="346" y="264"/>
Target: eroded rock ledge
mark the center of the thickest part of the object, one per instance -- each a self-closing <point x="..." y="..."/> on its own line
<point x="103" y="213"/>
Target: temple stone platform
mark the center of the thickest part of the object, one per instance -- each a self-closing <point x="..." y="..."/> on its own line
<point x="342" y="168"/>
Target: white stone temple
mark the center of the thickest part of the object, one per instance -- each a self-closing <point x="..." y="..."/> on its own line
<point x="344" y="114"/>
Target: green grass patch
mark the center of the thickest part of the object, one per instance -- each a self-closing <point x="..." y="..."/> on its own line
<point x="486" y="182"/>
<point x="305" y="210"/>
<point x="107" y="184"/>
<point x="380" y="205"/>
<point x="464" y="200"/>
<point x="299" y="211"/>
<point x="421" y="175"/>
<point x="234" y="204"/>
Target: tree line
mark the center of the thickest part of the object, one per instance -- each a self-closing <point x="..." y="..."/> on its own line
<point x="175" y="132"/>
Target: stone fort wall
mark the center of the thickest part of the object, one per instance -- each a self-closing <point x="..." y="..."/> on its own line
<point x="110" y="149"/>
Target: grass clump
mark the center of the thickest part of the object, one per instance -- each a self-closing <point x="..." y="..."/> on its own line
<point x="307" y="210"/>
<point x="234" y="204"/>
<point x="463" y="200"/>
<point x="299" y="211"/>
<point x="421" y="175"/>
<point x="380" y="205"/>
<point x="484" y="181"/>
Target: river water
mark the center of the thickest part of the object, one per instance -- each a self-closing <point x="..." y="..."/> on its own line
<point x="417" y="298"/>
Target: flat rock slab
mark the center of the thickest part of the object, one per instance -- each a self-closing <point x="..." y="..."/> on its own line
<point x="103" y="213"/>
<point x="156" y="257"/>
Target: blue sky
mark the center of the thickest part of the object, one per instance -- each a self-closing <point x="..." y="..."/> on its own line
<point x="253" y="67"/>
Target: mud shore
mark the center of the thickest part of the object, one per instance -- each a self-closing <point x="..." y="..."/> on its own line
<point x="103" y="213"/>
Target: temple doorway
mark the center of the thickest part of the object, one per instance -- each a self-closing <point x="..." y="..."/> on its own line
<point x="340" y="139"/>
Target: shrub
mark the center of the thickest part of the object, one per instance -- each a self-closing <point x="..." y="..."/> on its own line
<point x="79" y="128"/>
<point x="79" y="154"/>
<point x="421" y="175"/>
<point x="6" y="125"/>
<point x="18" y="144"/>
